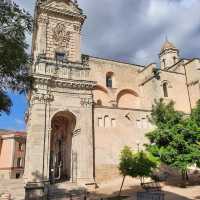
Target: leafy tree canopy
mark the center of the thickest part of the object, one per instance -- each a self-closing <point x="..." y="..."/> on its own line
<point x="176" y="138"/>
<point x="14" y="59"/>
<point x="138" y="164"/>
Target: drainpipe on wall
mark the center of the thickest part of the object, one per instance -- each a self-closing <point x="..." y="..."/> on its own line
<point x="186" y="79"/>
<point x="93" y="138"/>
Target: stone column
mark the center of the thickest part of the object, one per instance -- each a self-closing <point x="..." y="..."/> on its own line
<point x="36" y="167"/>
<point x="85" y="151"/>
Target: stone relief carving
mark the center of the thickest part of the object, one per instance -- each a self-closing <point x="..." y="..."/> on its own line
<point x="76" y="28"/>
<point x="39" y="98"/>
<point x="86" y="102"/>
<point x="61" y="36"/>
<point x="76" y="132"/>
<point x="89" y="85"/>
<point x="43" y="19"/>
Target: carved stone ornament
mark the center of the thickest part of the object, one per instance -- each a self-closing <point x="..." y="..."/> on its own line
<point x="39" y="98"/>
<point x="76" y="132"/>
<point x="86" y="102"/>
<point x="76" y="28"/>
<point x="43" y="19"/>
<point x="61" y="36"/>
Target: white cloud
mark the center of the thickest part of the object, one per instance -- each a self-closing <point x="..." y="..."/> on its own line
<point x="134" y="30"/>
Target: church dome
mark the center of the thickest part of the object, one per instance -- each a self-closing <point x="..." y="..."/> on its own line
<point x="167" y="45"/>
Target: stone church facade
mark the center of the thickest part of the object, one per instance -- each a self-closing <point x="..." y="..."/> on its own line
<point x="86" y="109"/>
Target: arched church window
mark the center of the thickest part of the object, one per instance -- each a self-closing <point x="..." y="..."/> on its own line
<point x="106" y="121"/>
<point x="109" y="79"/>
<point x="165" y="89"/>
<point x="100" y="122"/>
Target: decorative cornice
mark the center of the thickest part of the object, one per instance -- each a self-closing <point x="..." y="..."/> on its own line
<point x="67" y="13"/>
<point x="64" y="83"/>
<point x="64" y="63"/>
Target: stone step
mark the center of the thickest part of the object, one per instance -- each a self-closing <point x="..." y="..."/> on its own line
<point x="13" y="187"/>
<point x="66" y="191"/>
<point x="60" y="191"/>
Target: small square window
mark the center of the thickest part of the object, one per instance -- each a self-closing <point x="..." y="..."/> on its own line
<point x="60" y="56"/>
<point x="100" y="122"/>
<point x="18" y="175"/>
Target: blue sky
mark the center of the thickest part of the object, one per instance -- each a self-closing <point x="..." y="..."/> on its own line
<point x="131" y="31"/>
<point x="15" y="121"/>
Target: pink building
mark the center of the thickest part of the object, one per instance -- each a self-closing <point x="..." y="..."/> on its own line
<point x="12" y="154"/>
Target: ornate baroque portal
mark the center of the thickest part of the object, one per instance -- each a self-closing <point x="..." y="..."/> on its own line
<point x="60" y="137"/>
<point x="63" y="124"/>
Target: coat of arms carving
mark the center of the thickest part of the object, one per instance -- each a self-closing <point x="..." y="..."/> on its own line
<point x="61" y="36"/>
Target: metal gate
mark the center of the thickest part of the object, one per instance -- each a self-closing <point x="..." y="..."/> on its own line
<point x="74" y="166"/>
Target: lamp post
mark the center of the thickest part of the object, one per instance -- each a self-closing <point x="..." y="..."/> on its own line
<point x="138" y="145"/>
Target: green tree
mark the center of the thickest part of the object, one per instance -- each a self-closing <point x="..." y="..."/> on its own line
<point x="140" y="164"/>
<point x="15" y="23"/>
<point x="175" y="140"/>
<point x="143" y="165"/>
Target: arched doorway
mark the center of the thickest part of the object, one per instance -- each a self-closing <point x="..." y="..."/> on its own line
<point x="62" y="125"/>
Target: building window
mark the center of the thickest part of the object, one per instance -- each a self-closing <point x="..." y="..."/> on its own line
<point x="100" y="122"/>
<point x="19" y="162"/>
<point x="165" y="91"/>
<point x="109" y="79"/>
<point x="113" y="122"/>
<point x="60" y="56"/>
<point x="106" y="121"/>
<point x="138" y="123"/>
<point x="164" y="63"/>
<point x="144" y="123"/>
<point x="18" y="175"/>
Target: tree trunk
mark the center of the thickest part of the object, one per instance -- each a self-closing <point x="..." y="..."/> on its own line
<point x="183" y="172"/>
<point x="187" y="177"/>
<point x="122" y="185"/>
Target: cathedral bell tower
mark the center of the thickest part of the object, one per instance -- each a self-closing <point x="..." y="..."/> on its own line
<point x="169" y="55"/>
<point x="57" y="29"/>
<point x="59" y="119"/>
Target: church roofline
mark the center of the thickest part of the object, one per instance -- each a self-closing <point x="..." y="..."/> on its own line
<point x="191" y="60"/>
<point x="146" y="67"/>
<point x="174" y="64"/>
<point x="117" y="61"/>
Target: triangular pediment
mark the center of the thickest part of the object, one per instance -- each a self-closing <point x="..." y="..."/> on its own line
<point x="62" y="6"/>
